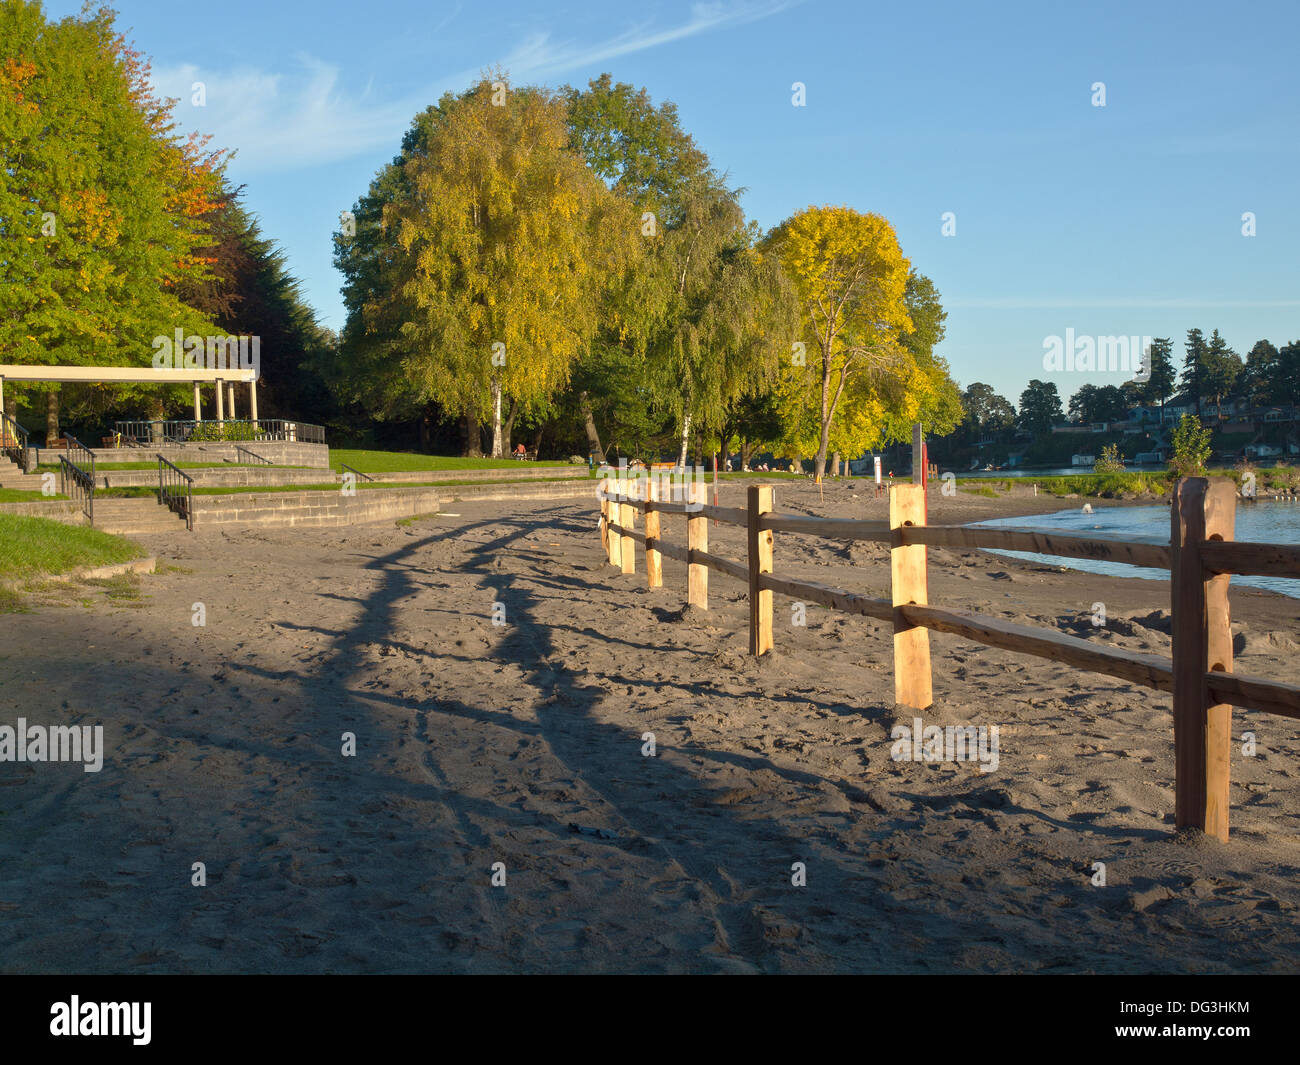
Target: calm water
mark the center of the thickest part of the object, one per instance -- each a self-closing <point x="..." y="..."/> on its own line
<point x="1265" y="522"/>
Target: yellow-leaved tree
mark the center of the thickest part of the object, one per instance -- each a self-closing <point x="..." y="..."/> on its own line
<point x="504" y="240"/>
<point x="841" y="387"/>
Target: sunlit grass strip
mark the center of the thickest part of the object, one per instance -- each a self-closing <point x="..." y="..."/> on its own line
<point x="31" y="547"/>
<point x="404" y="462"/>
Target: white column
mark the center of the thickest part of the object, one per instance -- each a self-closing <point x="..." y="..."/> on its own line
<point x="252" y="401"/>
<point x="231" y="400"/>
<point x="221" y="404"/>
<point x="198" y="403"/>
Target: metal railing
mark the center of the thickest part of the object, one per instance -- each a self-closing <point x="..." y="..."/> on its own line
<point x="152" y="432"/>
<point x="77" y="475"/>
<point x="176" y="491"/>
<point x="353" y="470"/>
<point x="13" y="440"/>
<point x="253" y="455"/>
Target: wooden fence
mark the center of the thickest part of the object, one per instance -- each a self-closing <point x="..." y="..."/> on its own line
<point x="1200" y="558"/>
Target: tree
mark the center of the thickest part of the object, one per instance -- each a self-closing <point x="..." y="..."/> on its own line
<point x="1161" y="377"/>
<point x="986" y="411"/>
<point x="641" y="152"/>
<point x="1040" y="407"/>
<point x="102" y="205"/>
<point x="1191" y="447"/>
<point x="1222" y="368"/>
<point x="483" y="283"/>
<point x="1097" y="404"/>
<point x="1194" y="367"/>
<point x="850" y="277"/>
<point x="1260" y="376"/>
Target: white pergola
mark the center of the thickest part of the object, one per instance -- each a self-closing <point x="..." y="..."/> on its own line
<point x="144" y="375"/>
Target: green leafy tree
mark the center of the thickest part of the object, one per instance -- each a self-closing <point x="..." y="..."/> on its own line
<point x="1194" y="367"/>
<point x="1040" y="407"/>
<point x="1261" y="374"/>
<point x="1222" y="369"/>
<point x="1161" y="377"/>
<point x="1190" y="443"/>
<point x="102" y="205"/>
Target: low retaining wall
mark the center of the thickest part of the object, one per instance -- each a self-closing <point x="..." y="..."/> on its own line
<point x="281" y="452"/>
<point x="216" y="477"/>
<point x="314" y="508"/>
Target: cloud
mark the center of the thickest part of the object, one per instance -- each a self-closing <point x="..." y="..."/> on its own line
<point x="305" y="116"/>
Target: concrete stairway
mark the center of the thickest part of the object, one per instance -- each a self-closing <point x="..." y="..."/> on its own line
<point x="131" y="517"/>
<point x="13" y="477"/>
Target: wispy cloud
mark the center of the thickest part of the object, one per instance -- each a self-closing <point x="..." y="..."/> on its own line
<point x="305" y="116"/>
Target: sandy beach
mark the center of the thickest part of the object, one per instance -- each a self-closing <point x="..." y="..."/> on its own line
<point x="522" y="744"/>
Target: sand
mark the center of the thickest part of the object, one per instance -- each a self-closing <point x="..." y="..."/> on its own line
<point x="522" y="744"/>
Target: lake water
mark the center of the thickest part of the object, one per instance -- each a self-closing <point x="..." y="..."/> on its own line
<point x="1276" y="522"/>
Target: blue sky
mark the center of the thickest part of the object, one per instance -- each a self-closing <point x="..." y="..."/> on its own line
<point x="1116" y="220"/>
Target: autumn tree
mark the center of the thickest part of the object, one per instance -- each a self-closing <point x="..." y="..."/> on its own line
<point x="492" y="242"/>
<point x="850" y="277"/>
<point x="102" y="205"/>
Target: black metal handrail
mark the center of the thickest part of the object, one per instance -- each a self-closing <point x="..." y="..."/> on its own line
<point x="77" y="478"/>
<point x="253" y="455"/>
<point x="13" y="440"/>
<point x="176" y="496"/>
<point x="152" y="431"/>
<point x="350" y="469"/>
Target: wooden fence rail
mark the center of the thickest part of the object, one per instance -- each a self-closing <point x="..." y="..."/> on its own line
<point x="1200" y="557"/>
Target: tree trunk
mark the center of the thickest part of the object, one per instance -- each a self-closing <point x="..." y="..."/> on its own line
<point x="507" y="433"/>
<point x="835" y="464"/>
<point x="473" y="443"/>
<point x="496" y="418"/>
<point x="686" y="436"/>
<point x="424" y="431"/>
<point x="51" y="418"/>
<point x="537" y="440"/>
<point x="593" y="437"/>
<point x="747" y="450"/>
<point x="825" y="440"/>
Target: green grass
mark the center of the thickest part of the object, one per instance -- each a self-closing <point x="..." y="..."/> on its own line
<point x="403" y="462"/>
<point x="30" y="547"/>
<point x="22" y="495"/>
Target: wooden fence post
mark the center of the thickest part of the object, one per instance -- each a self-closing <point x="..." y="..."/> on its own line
<point x="604" y="516"/>
<point x="760" y="562"/>
<point x="1202" y="510"/>
<point x="627" y="520"/>
<point x="697" y="539"/>
<point x="654" y="572"/>
<point x="615" y="540"/>
<point x="908" y="581"/>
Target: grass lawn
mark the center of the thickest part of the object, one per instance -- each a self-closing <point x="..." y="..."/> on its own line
<point x="30" y="547"/>
<point x="22" y="495"/>
<point x="403" y="461"/>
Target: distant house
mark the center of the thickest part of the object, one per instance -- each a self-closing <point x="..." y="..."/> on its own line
<point x="1082" y="460"/>
<point x="1150" y="458"/>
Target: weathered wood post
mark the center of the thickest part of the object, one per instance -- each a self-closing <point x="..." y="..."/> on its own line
<point x="908" y="580"/>
<point x="697" y="539"/>
<point x="627" y="519"/>
<point x="615" y="540"/>
<point x="654" y="570"/>
<point x="760" y="562"/>
<point x="604" y="515"/>
<point x="1203" y="509"/>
